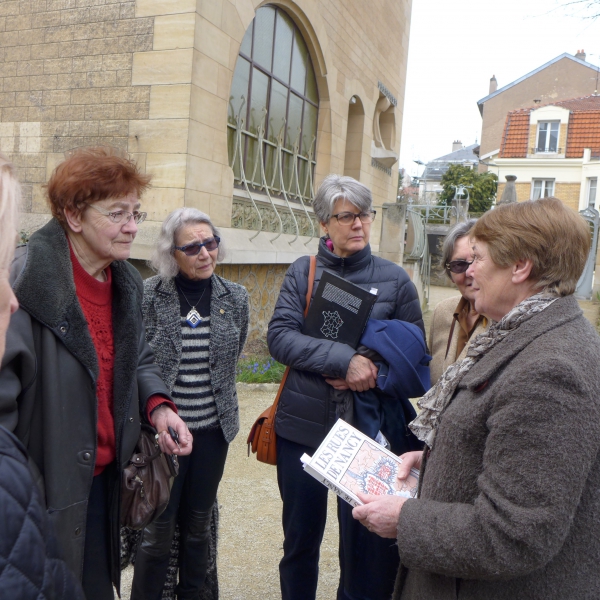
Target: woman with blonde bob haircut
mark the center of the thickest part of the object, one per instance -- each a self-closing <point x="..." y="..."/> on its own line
<point x="508" y="502"/>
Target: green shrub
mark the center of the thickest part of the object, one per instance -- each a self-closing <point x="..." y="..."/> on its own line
<point x="259" y="370"/>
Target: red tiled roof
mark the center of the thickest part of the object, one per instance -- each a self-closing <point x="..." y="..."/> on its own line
<point x="516" y="135"/>
<point x="583" y="131"/>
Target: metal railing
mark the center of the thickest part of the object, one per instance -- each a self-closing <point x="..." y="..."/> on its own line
<point x="297" y="186"/>
<point x="420" y="248"/>
<point x="433" y="212"/>
<point x="544" y="151"/>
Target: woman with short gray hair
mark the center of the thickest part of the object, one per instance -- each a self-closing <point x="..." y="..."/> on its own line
<point x="455" y="320"/>
<point x="196" y="323"/>
<point x="319" y="370"/>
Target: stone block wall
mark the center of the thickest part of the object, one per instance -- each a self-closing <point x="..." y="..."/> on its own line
<point x="65" y="81"/>
<point x="568" y="193"/>
<point x="263" y="283"/>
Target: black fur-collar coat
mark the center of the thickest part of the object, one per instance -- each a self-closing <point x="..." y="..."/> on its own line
<point x="48" y="382"/>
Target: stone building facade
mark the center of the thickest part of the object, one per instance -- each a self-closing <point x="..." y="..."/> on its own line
<point x="157" y="78"/>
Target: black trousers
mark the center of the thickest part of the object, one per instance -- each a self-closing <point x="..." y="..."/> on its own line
<point x="192" y="497"/>
<point x="304" y="518"/>
<point x="96" y="582"/>
<point x="368" y="563"/>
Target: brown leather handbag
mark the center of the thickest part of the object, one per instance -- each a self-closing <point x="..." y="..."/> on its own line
<point x="146" y="481"/>
<point x="261" y="438"/>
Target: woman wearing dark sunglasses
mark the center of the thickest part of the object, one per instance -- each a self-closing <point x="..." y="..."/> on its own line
<point x="455" y="320"/>
<point x="196" y="323"/>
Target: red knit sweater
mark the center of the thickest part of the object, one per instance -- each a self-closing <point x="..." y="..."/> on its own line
<point x="95" y="298"/>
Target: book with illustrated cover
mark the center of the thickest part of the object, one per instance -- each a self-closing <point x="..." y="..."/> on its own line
<point x="339" y="310"/>
<point x="349" y="462"/>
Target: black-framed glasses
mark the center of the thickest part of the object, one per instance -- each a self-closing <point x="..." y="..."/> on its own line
<point x="117" y="216"/>
<point x="194" y="249"/>
<point x="347" y="218"/>
<point x="458" y="266"/>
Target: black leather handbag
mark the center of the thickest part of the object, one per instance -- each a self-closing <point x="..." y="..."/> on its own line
<point x="146" y="481"/>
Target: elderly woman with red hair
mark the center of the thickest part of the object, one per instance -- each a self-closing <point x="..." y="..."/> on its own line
<point x="78" y="377"/>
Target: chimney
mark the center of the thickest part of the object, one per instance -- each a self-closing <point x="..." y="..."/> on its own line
<point x="457" y="145"/>
<point x="580" y="54"/>
<point x="493" y="84"/>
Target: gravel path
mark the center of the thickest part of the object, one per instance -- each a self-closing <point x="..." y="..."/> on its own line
<point x="250" y="544"/>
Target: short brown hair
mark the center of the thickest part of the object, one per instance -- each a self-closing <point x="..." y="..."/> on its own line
<point x="555" y="238"/>
<point x="89" y="175"/>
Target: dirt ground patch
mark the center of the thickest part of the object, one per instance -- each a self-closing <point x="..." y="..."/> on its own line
<point x="250" y="544"/>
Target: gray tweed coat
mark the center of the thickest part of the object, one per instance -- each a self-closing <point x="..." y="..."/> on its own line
<point x="510" y="494"/>
<point x="228" y="331"/>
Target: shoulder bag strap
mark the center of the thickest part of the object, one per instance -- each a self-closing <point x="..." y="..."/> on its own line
<point x="311" y="281"/>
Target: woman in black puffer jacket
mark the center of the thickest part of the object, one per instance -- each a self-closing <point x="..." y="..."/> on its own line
<point x="306" y="411"/>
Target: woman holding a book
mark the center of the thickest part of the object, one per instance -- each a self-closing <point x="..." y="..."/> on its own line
<point x="509" y="504"/>
<point x="320" y="368"/>
<point x="455" y="320"/>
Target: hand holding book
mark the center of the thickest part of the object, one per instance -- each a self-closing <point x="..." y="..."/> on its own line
<point x="380" y="514"/>
<point x="350" y="463"/>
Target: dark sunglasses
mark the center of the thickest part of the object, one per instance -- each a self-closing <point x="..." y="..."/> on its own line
<point x="194" y="249"/>
<point x="458" y="266"/>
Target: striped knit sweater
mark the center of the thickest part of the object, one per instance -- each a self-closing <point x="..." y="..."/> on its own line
<point x="192" y="392"/>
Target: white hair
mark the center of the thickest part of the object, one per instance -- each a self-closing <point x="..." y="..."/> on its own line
<point x="162" y="259"/>
<point x="10" y="199"/>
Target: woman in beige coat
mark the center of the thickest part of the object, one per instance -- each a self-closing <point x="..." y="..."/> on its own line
<point x="455" y="320"/>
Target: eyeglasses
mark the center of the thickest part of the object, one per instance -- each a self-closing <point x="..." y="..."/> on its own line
<point x="117" y="216"/>
<point x="458" y="266"/>
<point x="347" y="218"/>
<point x="194" y="249"/>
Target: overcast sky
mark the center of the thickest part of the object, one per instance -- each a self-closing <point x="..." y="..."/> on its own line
<point x="457" y="45"/>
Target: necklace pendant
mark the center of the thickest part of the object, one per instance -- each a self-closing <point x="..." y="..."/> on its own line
<point x="193" y="318"/>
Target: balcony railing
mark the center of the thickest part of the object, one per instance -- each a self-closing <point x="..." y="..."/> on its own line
<point x="548" y="151"/>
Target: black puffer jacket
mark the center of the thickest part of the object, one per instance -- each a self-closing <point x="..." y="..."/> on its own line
<point x="306" y="412"/>
<point x="30" y="568"/>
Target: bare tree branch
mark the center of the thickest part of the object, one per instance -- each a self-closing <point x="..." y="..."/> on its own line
<point x="585" y="5"/>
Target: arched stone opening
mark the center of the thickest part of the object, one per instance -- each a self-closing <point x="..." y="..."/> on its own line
<point x="354" y="138"/>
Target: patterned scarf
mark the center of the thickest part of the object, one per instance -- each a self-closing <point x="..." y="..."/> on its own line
<point x="435" y="401"/>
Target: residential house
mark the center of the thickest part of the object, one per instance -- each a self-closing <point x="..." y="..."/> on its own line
<point x="562" y="78"/>
<point x="430" y="182"/>
<point x="553" y="150"/>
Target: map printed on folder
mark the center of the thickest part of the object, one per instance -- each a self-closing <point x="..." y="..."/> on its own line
<point x="349" y="462"/>
<point x="339" y="310"/>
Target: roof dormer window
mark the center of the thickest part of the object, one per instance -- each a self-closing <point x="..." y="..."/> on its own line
<point x="547" y="136"/>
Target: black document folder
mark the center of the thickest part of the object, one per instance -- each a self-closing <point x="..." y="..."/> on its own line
<point x="339" y="310"/>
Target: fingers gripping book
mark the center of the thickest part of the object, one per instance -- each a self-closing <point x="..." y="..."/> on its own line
<point x="348" y="462"/>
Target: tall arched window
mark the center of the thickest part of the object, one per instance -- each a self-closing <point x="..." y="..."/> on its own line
<point x="273" y="106"/>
